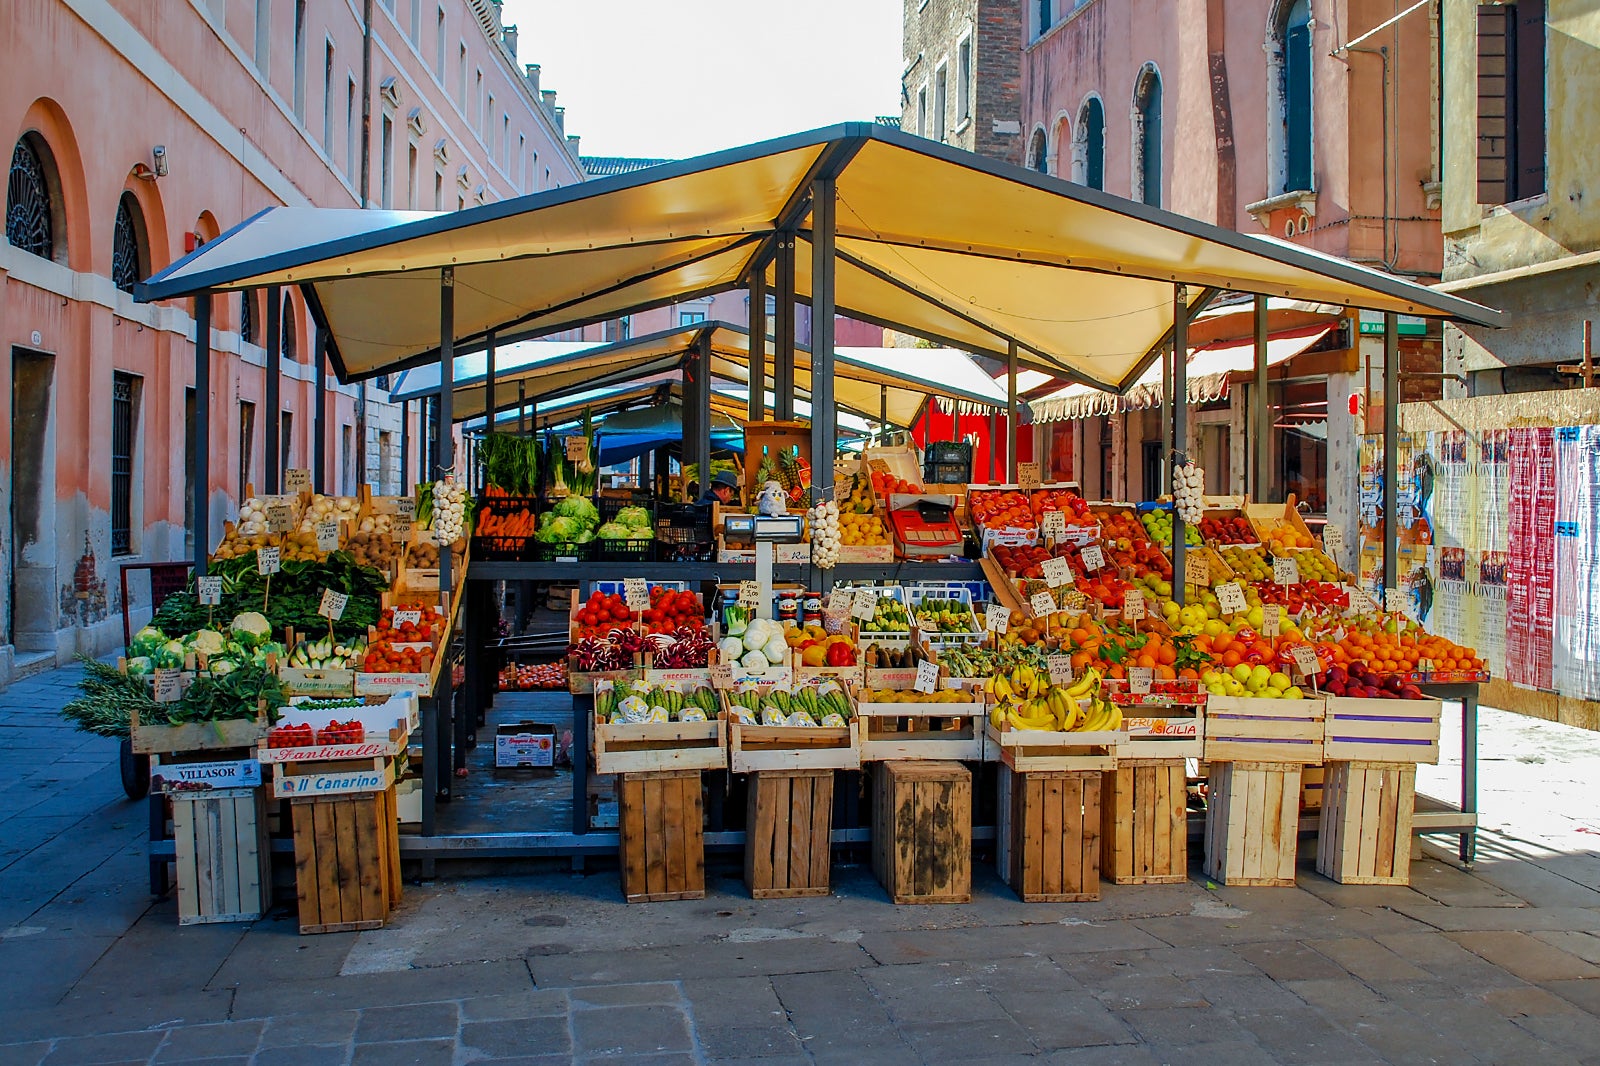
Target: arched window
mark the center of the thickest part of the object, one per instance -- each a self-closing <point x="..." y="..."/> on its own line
<point x="1294" y="96"/>
<point x="1089" y="145"/>
<point x="32" y="199"/>
<point x="1147" y="137"/>
<point x="1064" y="147"/>
<point x="289" y="341"/>
<point x="1039" y="152"/>
<point x="129" y="259"/>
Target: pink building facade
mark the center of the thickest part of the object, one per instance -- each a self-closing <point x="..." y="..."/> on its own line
<point x="253" y="103"/>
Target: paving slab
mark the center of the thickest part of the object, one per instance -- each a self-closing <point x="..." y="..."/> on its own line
<point x="630" y="1031"/>
<point x="1526" y="956"/>
<point x="517" y="1036"/>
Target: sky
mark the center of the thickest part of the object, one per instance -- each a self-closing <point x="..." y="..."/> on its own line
<point x="677" y="78"/>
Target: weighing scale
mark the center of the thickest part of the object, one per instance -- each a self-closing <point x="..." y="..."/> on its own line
<point x="764" y="531"/>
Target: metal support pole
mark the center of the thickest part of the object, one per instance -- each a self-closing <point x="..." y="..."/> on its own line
<point x="522" y="410"/>
<point x="1391" y="435"/>
<point x="488" y="386"/>
<point x="405" y="447"/>
<point x="783" y="323"/>
<point x="1011" y="412"/>
<point x="1179" y="398"/>
<point x="319" y="412"/>
<point x="994" y="444"/>
<point x="702" y="408"/>
<point x="758" y="345"/>
<point x="439" y="757"/>
<point x="202" y="431"/>
<point x="1260" y="409"/>
<point x="274" y="402"/>
<point x="824" y="416"/>
<point x="1163" y="484"/>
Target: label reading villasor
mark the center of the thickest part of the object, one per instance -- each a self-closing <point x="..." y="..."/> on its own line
<point x="205" y="776"/>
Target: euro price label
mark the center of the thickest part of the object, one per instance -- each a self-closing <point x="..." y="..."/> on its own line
<point x="996" y="619"/>
<point x="1140" y="678"/>
<point x="636" y="593"/>
<point x="1042" y="604"/>
<point x="1093" y="557"/>
<point x="927" y="677"/>
<point x="1060" y="667"/>
<point x="327" y="536"/>
<point x="268" y="560"/>
<point x="1285" y="570"/>
<point x="209" y="590"/>
<point x="1230" y="598"/>
<point x="333" y="604"/>
<point x="1057" y="572"/>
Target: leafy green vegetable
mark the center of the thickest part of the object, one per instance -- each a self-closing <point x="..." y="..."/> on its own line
<point x="637" y="517"/>
<point x="510" y="462"/>
<point x="296" y="596"/>
<point x="613" y="531"/>
<point x="579" y="508"/>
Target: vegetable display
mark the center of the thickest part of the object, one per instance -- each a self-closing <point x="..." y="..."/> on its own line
<point x="802" y="706"/>
<point x="509" y="463"/>
<point x="109" y="697"/>
<point x="686" y="648"/>
<point x="631" y="523"/>
<point x="449" y="511"/>
<point x="296" y="596"/>
<point x="572" y="520"/>
<point x="636" y="703"/>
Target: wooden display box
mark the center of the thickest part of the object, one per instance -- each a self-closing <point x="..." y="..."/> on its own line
<point x="1253" y="823"/>
<point x="1364" y="837"/>
<point x="772" y="748"/>
<point x="635" y="748"/>
<point x="1161" y="733"/>
<point x="909" y="731"/>
<point x="1144" y="835"/>
<point x="1048" y="837"/>
<point x="661" y="822"/>
<point x="1268" y="517"/>
<point x="922" y="831"/>
<point x="1031" y="750"/>
<point x="788" y="833"/>
<point x="223" y="858"/>
<point x="762" y="439"/>
<point x="1265" y="731"/>
<point x="346" y="861"/>
<point x="151" y="739"/>
<point x="1311" y="781"/>
<point x="1376" y="730"/>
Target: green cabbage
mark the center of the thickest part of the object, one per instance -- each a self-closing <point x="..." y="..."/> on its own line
<point x="637" y="517"/>
<point x="637" y="533"/>
<point x="614" y="531"/>
<point x="584" y="536"/>
<point x="545" y="519"/>
<point x="146" y="642"/>
<point x="579" y="508"/>
<point x="559" y="529"/>
<point x="139" y="665"/>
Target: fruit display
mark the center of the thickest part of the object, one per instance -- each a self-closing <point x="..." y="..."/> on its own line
<point x="1258" y="681"/>
<point x="1248" y="563"/>
<point x="823" y="520"/>
<point x="636" y="702"/>
<point x="1358" y="680"/>
<point x="802" y="706"/>
<point x="854" y="494"/>
<point x="301" y="545"/>
<point x="1001" y="509"/>
<point x="1024" y="698"/>
<point x="1232" y="530"/>
<point x="429" y="626"/>
<point x="856" y="530"/>
<point x="1315" y="565"/>
<point x="424" y="555"/>
<point x="1127" y="543"/>
<point x="1308" y="595"/>
<point x="1069" y="503"/>
<point x="896" y="695"/>
<point x="791" y="472"/>
<point x="1158" y="524"/>
<point x="329" y="509"/>
<point x="528" y="677"/>
<point x="819" y="648"/>
<point x="383" y="657"/>
<point x="880" y="657"/>
<point x="940" y="614"/>
<point x="238" y="544"/>
<point x="1284" y="537"/>
<point x="1188" y="493"/>
<point x="885" y="483"/>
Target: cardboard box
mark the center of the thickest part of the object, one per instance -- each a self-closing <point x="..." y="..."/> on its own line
<point x="524" y="744"/>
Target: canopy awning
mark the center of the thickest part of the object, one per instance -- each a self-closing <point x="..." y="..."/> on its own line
<point x="1209" y="370"/>
<point x="626" y="435"/>
<point x="895" y="382"/>
<point x="932" y="240"/>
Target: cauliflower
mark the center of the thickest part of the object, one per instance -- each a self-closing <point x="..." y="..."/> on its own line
<point x="139" y="665"/>
<point x="251" y="628"/>
<point x="207" y="642"/>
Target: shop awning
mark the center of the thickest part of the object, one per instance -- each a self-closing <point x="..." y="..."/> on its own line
<point x="932" y="240"/>
<point x="1209" y="371"/>
<point x="626" y="435"/>
<point x="870" y="381"/>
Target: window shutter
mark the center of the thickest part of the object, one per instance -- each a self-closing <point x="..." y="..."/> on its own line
<point x="1297" y="109"/>
<point x="1527" y="129"/>
<point x="1494" y="87"/>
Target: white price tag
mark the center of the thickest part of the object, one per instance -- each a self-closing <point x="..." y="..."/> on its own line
<point x="1053" y="524"/>
<point x="927" y="677"/>
<point x="1060" y="667"/>
<point x="996" y="619"/>
<point x="1132" y="605"/>
<point x="1271" y="619"/>
<point x="839" y="601"/>
<point x="1305" y="660"/>
<point x="1285" y="570"/>
<point x="577" y="449"/>
<point x="327" y="536"/>
<point x="333" y="604"/>
<point x="402" y="615"/>
<point x="280" y="518"/>
<point x="1196" y="568"/>
<point x="407" y="506"/>
<point x="1042" y="604"/>
<point x="296" y="480"/>
<point x="1333" y="538"/>
<point x="1140" y="678"/>
<point x="722" y="675"/>
<point x="1393" y="600"/>
<point x="400" y="526"/>
<point x="1360" y="601"/>
<point x="1057" y="572"/>
<point x="1230" y="598"/>
<point x="169" y="686"/>
<point x="268" y="560"/>
<point x="209" y="590"/>
<point x="749" y="592"/>
<point x="1027" y="476"/>
<point x="1093" y="557"/>
<point x="865" y="604"/>
<point x="636" y="593"/>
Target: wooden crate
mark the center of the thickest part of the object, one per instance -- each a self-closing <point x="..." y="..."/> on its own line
<point x="1267" y="517"/>
<point x="922" y="831"/>
<point x="223" y="858"/>
<point x="1252" y="823"/>
<point x="1049" y="834"/>
<point x="661" y="819"/>
<point x="628" y="748"/>
<point x="1374" y="730"/>
<point x="762" y="439"/>
<point x="196" y="736"/>
<point x="1365" y="834"/>
<point x="1031" y="750"/>
<point x="788" y="833"/>
<point x="1144" y="833"/>
<point x="1161" y="733"/>
<point x="921" y="731"/>
<point x="1267" y="731"/>
<point x="1311" y="779"/>
<point x="756" y="748"/>
<point x="346" y="861"/>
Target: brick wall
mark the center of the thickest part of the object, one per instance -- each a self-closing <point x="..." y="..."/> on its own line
<point x="932" y="32"/>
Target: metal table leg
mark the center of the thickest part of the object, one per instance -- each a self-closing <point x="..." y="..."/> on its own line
<point x="1469" y="771"/>
<point x="582" y="716"/>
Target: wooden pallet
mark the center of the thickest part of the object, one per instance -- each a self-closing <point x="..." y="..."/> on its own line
<point x="788" y="833"/>
<point x="1264" y="731"/>
<point x="628" y="748"/>
<point x="346" y="861"/>
<point x="661" y="819"/>
<point x="1144" y="837"/>
<point x="1030" y="751"/>
<point x="1374" y="730"/>
<point x="753" y="748"/>
<point x="1364" y="837"/>
<point x="1049" y="834"/>
<point x="1253" y="823"/>
<point x="223" y="859"/>
<point x="922" y="831"/>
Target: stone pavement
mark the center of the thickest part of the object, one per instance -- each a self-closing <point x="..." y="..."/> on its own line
<point x="1498" y="965"/>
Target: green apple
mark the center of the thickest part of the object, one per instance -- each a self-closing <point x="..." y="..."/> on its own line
<point x="1279" y="680"/>
<point x="1243" y="672"/>
<point x="1260" y="676"/>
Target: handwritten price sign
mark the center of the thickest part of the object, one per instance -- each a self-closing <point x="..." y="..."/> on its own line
<point x="1285" y="570"/>
<point x="927" y="677"/>
<point x="1042" y="604"/>
<point x="1230" y="598"/>
<point x="296" y="480"/>
<point x="333" y="605"/>
<point x="1057" y="572"/>
<point x="1271" y="619"/>
<point x="636" y="593"/>
<point x="209" y="590"/>
<point x="1060" y="667"/>
<point x="996" y="619"/>
<point x="269" y="560"/>
<point x="1093" y="557"/>
<point x="1132" y="605"/>
<point x="327" y="536"/>
<point x="749" y="591"/>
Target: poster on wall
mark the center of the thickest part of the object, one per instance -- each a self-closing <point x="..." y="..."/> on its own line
<point x="1576" y="645"/>
<point x="1530" y="558"/>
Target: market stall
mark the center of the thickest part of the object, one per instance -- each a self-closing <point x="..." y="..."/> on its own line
<point x="1040" y="274"/>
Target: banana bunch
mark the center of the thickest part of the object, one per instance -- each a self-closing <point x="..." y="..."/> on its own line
<point x="1023" y="681"/>
<point x="1025" y="699"/>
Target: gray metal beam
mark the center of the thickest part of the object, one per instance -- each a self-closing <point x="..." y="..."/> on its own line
<point x="1260" y="408"/>
<point x="702" y="408"/>
<point x="783" y="326"/>
<point x="405" y="447"/>
<point x="202" y="431"/>
<point x="273" y="398"/>
<point x="758" y="344"/>
<point x="824" y="416"/>
<point x="1391" y="438"/>
<point x="1011" y="411"/>
<point x="1179" y="397"/>
<point x="488" y="380"/>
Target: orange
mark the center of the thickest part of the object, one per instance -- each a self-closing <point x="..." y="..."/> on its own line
<point x="1165" y="656"/>
<point x="1165" y="672"/>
